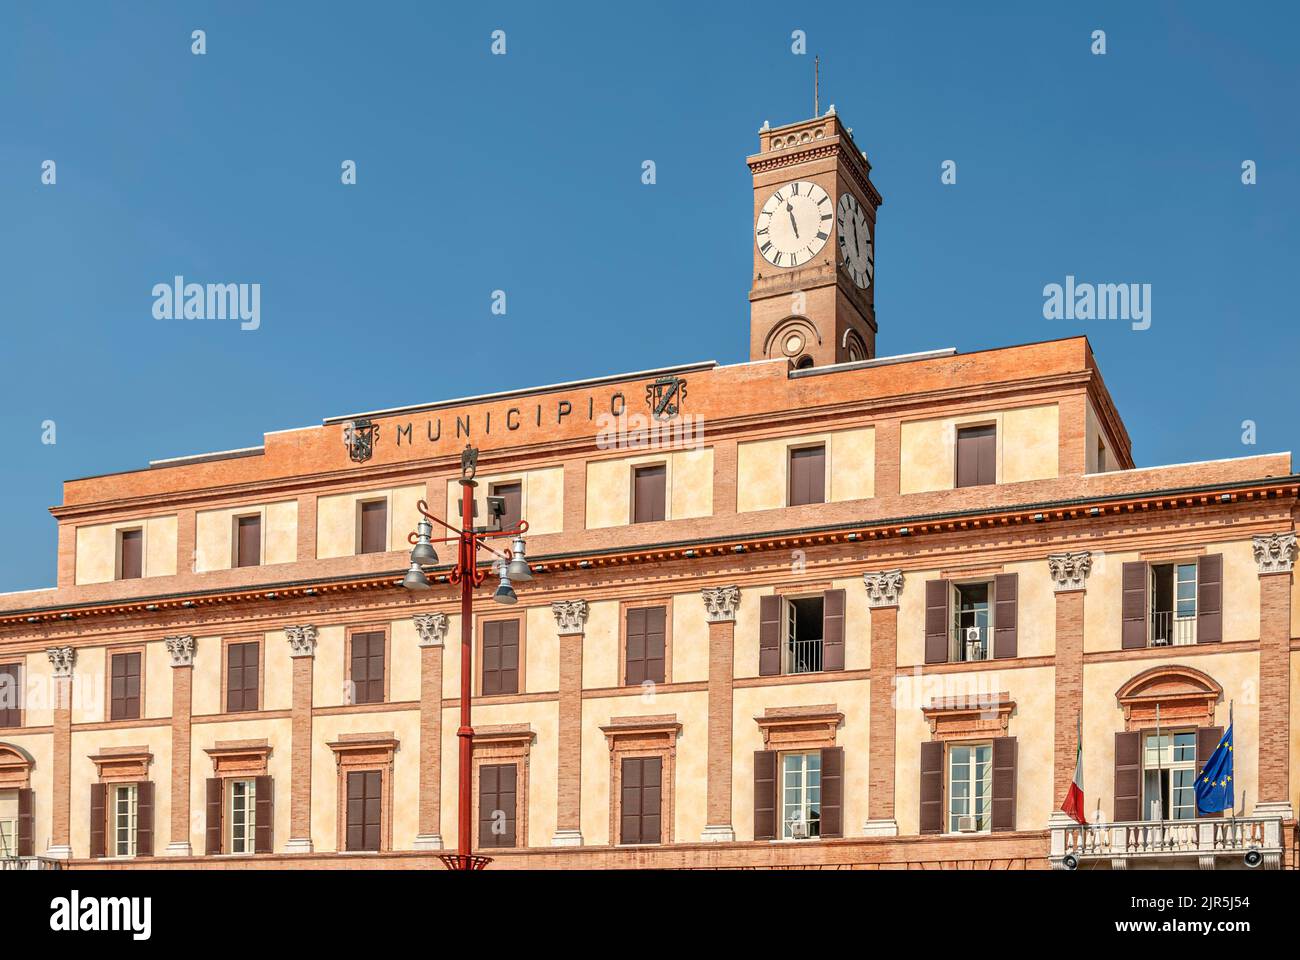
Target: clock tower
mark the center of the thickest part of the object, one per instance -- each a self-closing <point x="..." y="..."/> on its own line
<point x="812" y="299"/>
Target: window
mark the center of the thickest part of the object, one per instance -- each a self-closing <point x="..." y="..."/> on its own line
<point x="645" y="645"/>
<point x="11" y="701"/>
<point x="500" y="657"/>
<point x="1101" y="455"/>
<point x="242" y="667"/>
<point x="807" y="475"/>
<point x="1169" y="776"/>
<point x="372" y="516"/>
<point x="248" y="541"/>
<point x="124" y="820"/>
<point x="8" y="823"/>
<point x="970" y="787"/>
<point x="803" y="635"/>
<point x="801" y="789"/>
<point x="649" y="493"/>
<point x="513" y="494"/>
<point x="130" y="554"/>
<point x="497" y="799"/>
<point x="242" y="817"/>
<point x="976" y="456"/>
<point x="124" y="702"/>
<point x="368" y="667"/>
<point x="972" y="628"/>
<point x="1173" y="604"/>
<point x="365" y="788"/>
<point x="641" y="807"/>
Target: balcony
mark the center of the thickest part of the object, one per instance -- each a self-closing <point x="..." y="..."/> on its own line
<point x="1207" y="844"/>
<point x="30" y="863"/>
<point x="804" y="656"/>
<point x="1168" y="630"/>
<point x="968" y="644"/>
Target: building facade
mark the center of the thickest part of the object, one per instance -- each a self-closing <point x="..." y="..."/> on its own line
<point x="821" y="608"/>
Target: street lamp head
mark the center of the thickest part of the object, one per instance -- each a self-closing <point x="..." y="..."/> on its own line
<point x="415" y="578"/>
<point x="505" y="591"/>
<point x="518" y="568"/>
<point x="423" y="552"/>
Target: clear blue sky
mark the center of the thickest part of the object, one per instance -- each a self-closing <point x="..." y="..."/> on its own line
<point x="522" y="172"/>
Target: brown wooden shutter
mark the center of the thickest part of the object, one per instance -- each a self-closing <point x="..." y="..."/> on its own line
<point x="832" y="810"/>
<point x="144" y="819"/>
<point x="769" y="636"/>
<point x="1134" y="606"/>
<point x="497" y="791"/>
<point x="977" y="456"/>
<point x="1004" y="783"/>
<point x="131" y="546"/>
<point x="833" y="630"/>
<point x="646" y="645"/>
<point x="365" y="810"/>
<point x="513" y="495"/>
<point x="1128" y="776"/>
<point x="248" y="531"/>
<point x="1207" y="741"/>
<point x="241" y="676"/>
<point x="807" y="475"/>
<point x="98" y="818"/>
<point x="125" y="687"/>
<point x="641" y="800"/>
<point x="500" y="657"/>
<point x="212" y="832"/>
<point x="491" y="657"/>
<point x="937" y="593"/>
<point x="634" y="663"/>
<point x="368" y="667"/>
<point x="11" y="699"/>
<point x="649" y="493"/>
<point x="26" y="823"/>
<point x="1209" y="598"/>
<point x="932" y="786"/>
<point x="264" y="788"/>
<point x="374" y="526"/>
<point x="1006" y="588"/>
<point x="765" y="795"/>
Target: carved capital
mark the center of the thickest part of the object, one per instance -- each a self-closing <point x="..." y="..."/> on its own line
<point x="432" y="628"/>
<point x="62" y="659"/>
<point x="1275" y="553"/>
<point x="302" y="640"/>
<point x="883" y="588"/>
<point x="570" y="616"/>
<point x="181" y="650"/>
<point x="720" y="603"/>
<point x="1070" y="570"/>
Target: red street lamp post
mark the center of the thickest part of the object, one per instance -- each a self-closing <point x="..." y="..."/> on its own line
<point x="510" y="566"/>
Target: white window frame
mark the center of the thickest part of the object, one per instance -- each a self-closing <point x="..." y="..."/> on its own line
<point x="248" y="787"/>
<point x="951" y="814"/>
<point x="126" y="810"/>
<point x="808" y="795"/>
<point x="789" y="634"/>
<point x="957" y="629"/>
<point x="1182" y="628"/>
<point x="8" y="824"/>
<point x="1170" y="762"/>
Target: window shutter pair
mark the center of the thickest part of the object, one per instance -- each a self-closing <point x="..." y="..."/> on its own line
<point x="500" y="657"/>
<point x="143" y="819"/>
<point x="641" y="800"/>
<point x="264" y="815"/>
<point x="241" y="676"/>
<point x="649" y="493"/>
<point x="131" y="546"/>
<point x="1128" y="769"/>
<point x="807" y="476"/>
<point x="645" y="645"/>
<point x="933" y="777"/>
<point x="374" y="526"/>
<point x="1135" y="610"/>
<point x="938" y="617"/>
<point x="364" y="810"/>
<point x="248" y="541"/>
<point x="497" y="791"/>
<point x="977" y="456"/>
<point x="767" y="795"/>
<point x="26" y="823"/>
<point x="11" y="694"/>
<point x="368" y="667"/>
<point x="769" y="633"/>
<point x="125" y="687"/>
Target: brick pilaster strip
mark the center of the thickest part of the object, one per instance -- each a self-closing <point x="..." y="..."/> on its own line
<point x="432" y="629"/>
<point x="186" y="540"/>
<point x="62" y="660"/>
<point x="571" y="620"/>
<point x="1275" y="555"/>
<point x="307" y="527"/>
<point x="1069" y="573"/>
<point x="181" y="650"/>
<point x="724" y="477"/>
<point x="302" y="648"/>
<point x="887" y="444"/>
<point x="720" y="605"/>
<point x="883" y="726"/>
<point x="575" y="495"/>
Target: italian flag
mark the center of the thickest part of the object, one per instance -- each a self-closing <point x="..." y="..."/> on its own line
<point x="1073" y="805"/>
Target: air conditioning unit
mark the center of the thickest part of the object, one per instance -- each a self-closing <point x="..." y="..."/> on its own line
<point x="799" y="829"/>
<point x="974" y="644"/>
<point x="968" y="825"/>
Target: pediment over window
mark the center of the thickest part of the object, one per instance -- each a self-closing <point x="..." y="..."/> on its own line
<point x="807" y="727"/>
<point x="15" y="767"/>
<point x="239" y="757"/>
<point x="968" y="716"/>
<point x="1182" y="693"/>
<point x="122" y="764"/>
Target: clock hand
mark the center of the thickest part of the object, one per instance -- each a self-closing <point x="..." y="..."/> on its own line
<point x="790" y="210"/>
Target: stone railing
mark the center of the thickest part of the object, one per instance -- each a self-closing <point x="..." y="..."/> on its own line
<point x="1169" y="841"/>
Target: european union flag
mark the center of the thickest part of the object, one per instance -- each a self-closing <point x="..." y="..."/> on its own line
<point x="1214" y="788"/>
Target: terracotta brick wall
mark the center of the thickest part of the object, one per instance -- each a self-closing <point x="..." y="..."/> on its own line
<point x="1275" y="687"/>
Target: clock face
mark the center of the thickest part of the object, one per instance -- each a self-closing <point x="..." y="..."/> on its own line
<point x="855" y="241"/>
<point x="794" y="224"/>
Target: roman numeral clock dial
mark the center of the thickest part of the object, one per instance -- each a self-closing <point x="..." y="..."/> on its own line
<point x="855" y="241"/>
<point x="794" y="224"/>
